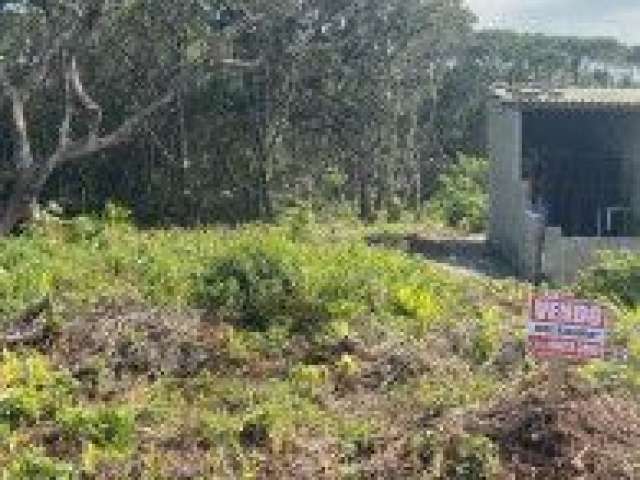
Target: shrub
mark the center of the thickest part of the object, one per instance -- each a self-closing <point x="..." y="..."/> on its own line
<point x="356" y="437"/>
<point x="347" y="366"/>
<point x="70" y="262"/>
<point x="104" y="426"/>
<point x="220" y="428"/>
<point x="33" y="465"/>
<point x="30" y="389"/>
<point x="279" y="412"/>
<point x="309" y="378"/>
<point x="487" y="335"/>
<point x="443" y="391"/>
<point x="353" y="279"/>
<point x="622" y="372"/>
<point x="298" y="221"/>
<point x="117" y="214"/>
<point x="616" y="276"/>
<point x="83" y="228"/>
<point x="395" y="209"/>
<point x="255" y="285"/>
<point x="419" y="304"/>
<point x="461" y="196"/>
<point x="472" y="457"/>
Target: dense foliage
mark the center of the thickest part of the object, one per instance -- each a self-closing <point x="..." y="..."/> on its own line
<point x="615" y="276"/>
<point x="251" y="347"/>
<point x="308" y="344"/>
<point x="461" y="197"/>
<point x="265" y="292"/>
<point x="320" y="103"/>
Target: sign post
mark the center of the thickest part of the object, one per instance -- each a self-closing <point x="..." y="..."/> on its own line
<point x="563" y="330"/>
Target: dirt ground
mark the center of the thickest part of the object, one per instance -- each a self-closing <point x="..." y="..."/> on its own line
<point x="463" y="255"/>
<point x="575" y="432"/>
<point x="578" y="432"/>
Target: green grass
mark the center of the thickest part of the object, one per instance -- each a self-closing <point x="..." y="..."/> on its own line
<point x="104" y="426"/>
<point x="31" y="389"/>
<point x="256" y="274"/>
<point x="282" y="298"/>
<point x="34" y="464"/>
<point x="321" y="351"/>
<point x="320" y="348"/>
<point x="614" y="279"/>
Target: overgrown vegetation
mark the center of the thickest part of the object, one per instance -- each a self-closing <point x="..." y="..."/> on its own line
<point x="315" y="345"/>
<point x="461" y="196"/>
<point x="293" y="351"/>
<point x="615" y="276"/>
<point x="313" y="321"/>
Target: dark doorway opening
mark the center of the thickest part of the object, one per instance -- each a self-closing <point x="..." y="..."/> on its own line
<point x="574" y="162"/>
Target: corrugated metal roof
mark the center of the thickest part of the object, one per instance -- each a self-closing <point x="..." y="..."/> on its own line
<point x="568" y="98"/>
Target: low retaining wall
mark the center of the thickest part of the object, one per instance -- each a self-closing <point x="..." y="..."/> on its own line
<point x="531" y="247"/>
<point x="564" y="257"/>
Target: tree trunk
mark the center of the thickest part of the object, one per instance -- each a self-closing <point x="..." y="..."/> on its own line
<point x="418" y="197"/>
<point x="262" y="150"/>
<point x="366" y="211"/>
<point x="19" y="207"/>
<point x="414" y="159"/>
<point x="365" y="202"/>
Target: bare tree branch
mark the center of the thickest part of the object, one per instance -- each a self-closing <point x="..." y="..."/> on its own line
<point x="65" y="126"/>
<point x="93" y="144"/>
<point x="241" y="64"/>
<point x="89" y="103"/>
<point x="41" y="71"/>
<point x="63" y="39"/>
<point x="25" y="160"/>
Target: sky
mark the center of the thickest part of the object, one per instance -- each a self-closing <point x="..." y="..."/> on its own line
<point x="612" y="18"/>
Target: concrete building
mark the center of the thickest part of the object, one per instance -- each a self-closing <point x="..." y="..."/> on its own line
<point x="565" y="177"/>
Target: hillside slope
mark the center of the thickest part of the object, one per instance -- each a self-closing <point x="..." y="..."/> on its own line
<point x="279" y="352"/>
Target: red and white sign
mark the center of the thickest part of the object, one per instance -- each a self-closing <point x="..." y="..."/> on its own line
<point x="565" y="327"/>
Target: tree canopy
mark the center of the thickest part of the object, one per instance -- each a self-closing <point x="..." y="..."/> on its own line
<point x="209" y="110"/>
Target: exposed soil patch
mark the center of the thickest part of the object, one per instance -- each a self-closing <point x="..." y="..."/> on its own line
<point x="391" y="363"/>
<point x="465" y="255"/>
<point x="578" y="434"/>
<point x="127" y="342"/>
<point x="575" y="433"/>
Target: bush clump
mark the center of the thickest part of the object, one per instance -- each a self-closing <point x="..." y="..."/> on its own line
<point x="34" y="465"/>
<point x="255" y="285"/>
<point x="105" y="426"/>
<point x="30" y="389"/>
<point x="461" y="196"/>
<point x="616" y="276"/>
<point x="472" y="457"/>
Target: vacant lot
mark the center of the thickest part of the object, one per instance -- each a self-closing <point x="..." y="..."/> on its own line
<point x="279" y="352"/>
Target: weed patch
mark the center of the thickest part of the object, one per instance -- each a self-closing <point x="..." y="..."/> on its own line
<point x="31" y="389"/>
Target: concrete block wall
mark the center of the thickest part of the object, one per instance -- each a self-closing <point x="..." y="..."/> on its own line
<point x="507" y="191"/>
<point x="532" y="244"/>
<point x="518" y="234"/>
<point x="553" y="255"/>
<point x="564" y="257"/>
